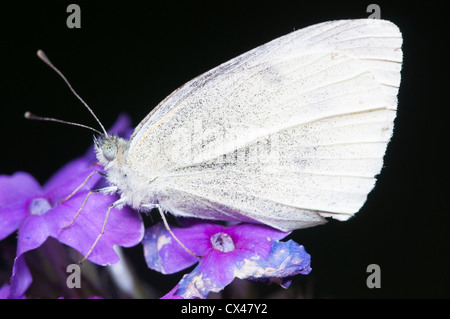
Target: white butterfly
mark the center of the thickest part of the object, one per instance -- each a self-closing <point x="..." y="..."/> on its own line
<point x="286" y="134"/>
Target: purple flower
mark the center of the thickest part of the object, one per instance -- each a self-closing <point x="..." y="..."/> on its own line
<point x="39" y="212"/>
<point x="5" y="293"/>
<point x="245" y="251"/>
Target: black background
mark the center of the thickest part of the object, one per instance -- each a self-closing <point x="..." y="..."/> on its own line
<point x="130" y="55"/>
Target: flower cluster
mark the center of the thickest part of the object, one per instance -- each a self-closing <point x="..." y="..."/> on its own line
<point x="245" y="251"/>
<point x="37" y="213"/>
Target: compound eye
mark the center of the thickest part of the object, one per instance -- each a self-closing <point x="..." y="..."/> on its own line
<point x="109" y="150"/>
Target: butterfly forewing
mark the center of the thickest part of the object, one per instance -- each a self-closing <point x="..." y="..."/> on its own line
<point x="285" y="134"/>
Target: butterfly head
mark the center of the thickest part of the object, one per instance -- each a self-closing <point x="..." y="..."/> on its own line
<point x="109" y="148"/>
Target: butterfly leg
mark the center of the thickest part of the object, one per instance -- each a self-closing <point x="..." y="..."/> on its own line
<point x="166" y="224"/>
<point x="119" y="202"/>
<point x="110" y="189"/>
<point x="82" y="184"/>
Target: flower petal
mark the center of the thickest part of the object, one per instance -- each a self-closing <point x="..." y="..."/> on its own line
<point x="162" y="253"/>
<point x="20" y="280"/>
<point x="69" y="177"/>
<point x="286" y="259"/>
<point x="171" y="294"/>
<point x="124" y="227"/>
<point x="17" y="187"/>
<point x="15" y="191"/>
<point x="197" y="285"/>
<point x="255" y="237"/>
<point x="33" y="232"/>
<point x="122" y="126"/>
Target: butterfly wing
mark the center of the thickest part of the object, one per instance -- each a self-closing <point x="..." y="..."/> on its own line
<point x="285" y="134"/>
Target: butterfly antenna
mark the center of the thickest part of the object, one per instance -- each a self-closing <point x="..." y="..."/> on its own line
<point x="31" y="116"/>
<point x="46" y="60"/>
